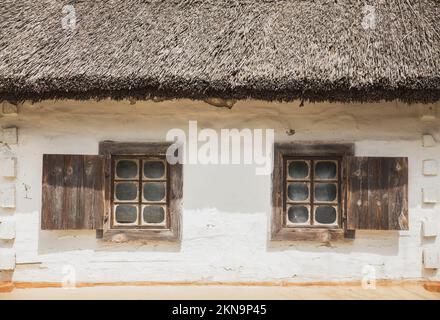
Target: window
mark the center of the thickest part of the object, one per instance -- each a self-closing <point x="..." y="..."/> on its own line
<point x="323" y="192"/>
<point x="139" y="197"/>
<point x="144" y="192"/>
<point x="127" y="192"/>
<point x="312" y="192"/>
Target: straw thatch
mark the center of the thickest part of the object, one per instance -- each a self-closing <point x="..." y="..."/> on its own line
<point x="232" y="49"/>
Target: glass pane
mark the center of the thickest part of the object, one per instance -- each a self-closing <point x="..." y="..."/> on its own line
<point x="325" y="192"/>
<point x="126" y="169"/>
<point x="126" y="191"/>
<point x="325" y="214"/>
<point x="325" y="170"/>
<point x="298" y="214"/>
<point x="153" y="214"/>
<point x="298" y="191"/>
<point x="298" y="169"/>
<point x="154" y="169"/>
<point x="125" y="213"/>
<point x="154" y="191"/>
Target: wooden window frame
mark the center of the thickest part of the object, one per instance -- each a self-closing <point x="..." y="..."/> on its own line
<point x="174" y="177"/>
<point x="318" y="150"/>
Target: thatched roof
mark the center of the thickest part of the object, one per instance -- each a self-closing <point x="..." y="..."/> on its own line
<point x="263" y="49"/>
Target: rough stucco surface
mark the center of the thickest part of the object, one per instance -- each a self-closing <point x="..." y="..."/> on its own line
<point x="226" y="208"/>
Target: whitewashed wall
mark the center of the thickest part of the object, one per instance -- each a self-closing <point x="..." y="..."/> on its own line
<point x="226" y="208"/>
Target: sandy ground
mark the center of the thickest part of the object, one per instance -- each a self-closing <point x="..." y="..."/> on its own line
<point x="225" y="292"/>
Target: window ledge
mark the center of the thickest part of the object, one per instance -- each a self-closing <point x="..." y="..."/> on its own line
<point x="311" y="234"/>
<point x="115" y="235"/>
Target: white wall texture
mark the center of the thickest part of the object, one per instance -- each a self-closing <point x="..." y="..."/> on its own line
<point x="226" y="208"/>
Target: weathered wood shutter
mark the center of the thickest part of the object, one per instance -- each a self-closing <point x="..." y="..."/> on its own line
<point x="377" y="193"/>
<point x="73" y="192"/>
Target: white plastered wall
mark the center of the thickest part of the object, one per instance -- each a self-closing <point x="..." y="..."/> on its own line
<point x="226" y="208"/>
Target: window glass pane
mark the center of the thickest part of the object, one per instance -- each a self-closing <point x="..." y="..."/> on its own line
<point x="325" y="192"/>
<point x="325" y="214"/>
<point x="126" y="169"/>
<point x="125" y="213"/>
<point x="298" y="191"/>
<point x="325" y="170"/>
<point x="298" y="169"/>
<point x="154" y="169"/>
<point x="154" y="191"/>
<point x="298" y="214"/>
<point x="153" y="214"/>
<point x="126" y="191"/>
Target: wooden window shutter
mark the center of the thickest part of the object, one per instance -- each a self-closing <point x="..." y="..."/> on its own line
<point x="73" y="192"/>
<point x="377" y="193"/>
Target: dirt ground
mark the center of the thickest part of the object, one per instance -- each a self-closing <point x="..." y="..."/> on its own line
<point x="409" y="291"/>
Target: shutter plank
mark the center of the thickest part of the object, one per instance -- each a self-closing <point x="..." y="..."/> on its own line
<point x="377" y="193"/>
<point x="378" y="174"/>
<point x="52" y="192"/>
<point x="357" y="192"/>
<point x="73" y="209"/>
<point x="93" y="192"/>
<point x="72" y="193"/>
<point x="384" y="176"/>
<point x="398" y="194"/>
<point x="374" y="206"/>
